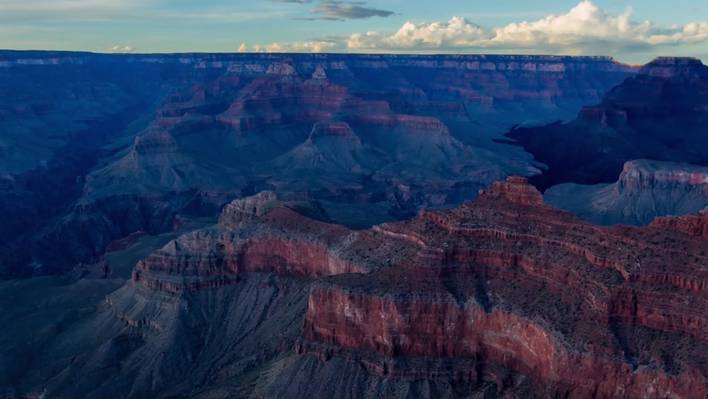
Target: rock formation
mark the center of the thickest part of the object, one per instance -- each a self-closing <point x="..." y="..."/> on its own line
<point x="193" y="131"/>
<point x="645" y="189"/>
<point x="692" y="225"/>
<point x="659" y="114"/>
<point x="504" y="294"/>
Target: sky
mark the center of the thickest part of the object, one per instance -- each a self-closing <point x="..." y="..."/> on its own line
<point x="632" y="31"/>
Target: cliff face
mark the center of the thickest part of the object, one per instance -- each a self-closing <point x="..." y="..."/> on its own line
<point x="505" y="294"/>
<point x="659" y="114"/>
<point x="260" y="234"/>
<point x="644" y="191"/>
<point x="512" y="282"/>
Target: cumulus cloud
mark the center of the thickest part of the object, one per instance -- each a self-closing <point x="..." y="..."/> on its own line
<point x="456" y="33"/>
<point x="585" y="29"/>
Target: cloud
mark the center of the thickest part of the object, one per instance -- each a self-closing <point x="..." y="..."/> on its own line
<point x="341" y="10"/>
<point x="315" y="46"/>
<point x="456" y="33"/>
<point x="121" y="49"/>
<point x="585" y="29"/>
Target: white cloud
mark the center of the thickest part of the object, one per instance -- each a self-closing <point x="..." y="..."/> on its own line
<point x="456" y="33"/>
<point x="121" y="49"/>
<point x="317" y="46"/>
<point x="584" y="29"/>
<point x="587" y="27"/>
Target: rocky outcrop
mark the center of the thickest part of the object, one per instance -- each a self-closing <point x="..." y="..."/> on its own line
<point x="515" y="190"/>
<point x="645" y="190"/>
<point x="659" y="114"/>
<point x="259" y="234"/>
<point x="672" y="67"/>
<point x="247" y="210"/>
<point x="693" y="225"/>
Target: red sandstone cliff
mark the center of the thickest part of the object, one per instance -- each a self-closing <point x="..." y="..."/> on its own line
<point x="693" y="225"/>
<point x="504" y="284"/>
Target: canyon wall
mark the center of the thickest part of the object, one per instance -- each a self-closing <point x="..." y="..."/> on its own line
<point x="502" y="286"/>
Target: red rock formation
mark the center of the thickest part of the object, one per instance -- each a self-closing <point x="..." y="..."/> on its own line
<point x="502" y="283"/>
<point x="516" y="190"/>
<point x="257" y="234"/>
<point x="693" y="225"/>
<point x="507" y="280"/>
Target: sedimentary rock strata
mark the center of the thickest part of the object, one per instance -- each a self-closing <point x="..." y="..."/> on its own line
<point x="503" y="284"/>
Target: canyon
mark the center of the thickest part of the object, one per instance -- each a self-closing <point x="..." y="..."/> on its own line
<point x="352" y="226"/>
<point x="139" y="139"/>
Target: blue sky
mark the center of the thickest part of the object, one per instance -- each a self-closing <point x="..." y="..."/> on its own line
<point x="632" y="31"/>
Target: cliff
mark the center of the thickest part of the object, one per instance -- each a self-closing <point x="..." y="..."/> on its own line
<point x="504" y="285"/>
<point x="645" y="190"/>
<point x="692" y="225"/>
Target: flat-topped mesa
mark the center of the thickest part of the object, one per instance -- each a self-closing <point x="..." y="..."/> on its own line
<point x="332" y="129"/>
<point x="646" y="173"/>
<point x="515" y="189"/>
<point x="248" y="209"/>
<point x="695" y="225"/>
<point x="672" y="67"/>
